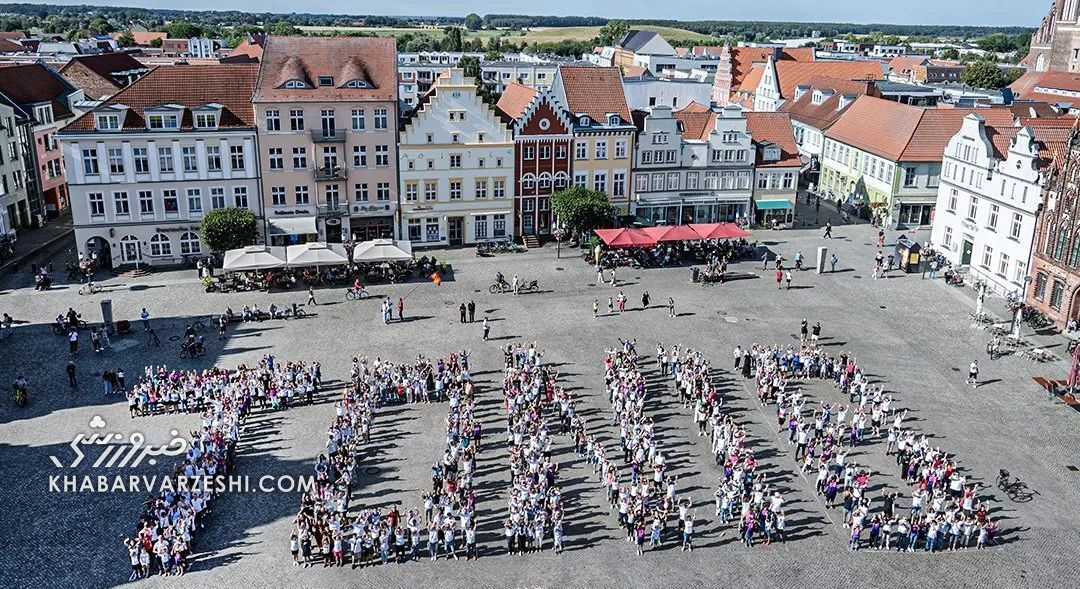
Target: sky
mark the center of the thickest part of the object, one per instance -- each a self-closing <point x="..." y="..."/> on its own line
<point x="970" y="12"/>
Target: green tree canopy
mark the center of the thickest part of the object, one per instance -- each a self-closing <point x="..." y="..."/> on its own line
<point x="155" y="42"/>
<point x="983" y="74"/>
<point x="613" y="32"/>
<point x="185" y="30"/>
<point x="581" y="209"/>
<point x="950" y="53"/>
<point x="126" y="39"/>
<point x="473" y="22"/>
<point x="229" y="228"/>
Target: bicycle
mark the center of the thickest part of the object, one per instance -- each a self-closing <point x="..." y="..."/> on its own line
<point x="356" y="294"/>
<point x="198" y="325"/>
<point x="192" y="351"/>
<point x="90" y="288"/>
<point x="152" y="338"/>
<point x="1016" y="489"/>
<point x="500" y="287"/>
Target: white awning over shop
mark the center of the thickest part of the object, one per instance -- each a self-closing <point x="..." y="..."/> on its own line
<point x="292" y="226"/>
<point x="481" y="213"/>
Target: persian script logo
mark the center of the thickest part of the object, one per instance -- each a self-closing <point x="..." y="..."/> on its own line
<point x="114" y="451"/>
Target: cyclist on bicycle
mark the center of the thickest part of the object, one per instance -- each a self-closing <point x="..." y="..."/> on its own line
<point x="357" y="288"/>
<point x="499" y="278"/>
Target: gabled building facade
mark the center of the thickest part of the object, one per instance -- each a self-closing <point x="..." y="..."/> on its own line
<point x="769" y="86"/>
<point x="457" y="168"/>
<point x="990" y="197"/>
<point x="147" y="164"/>
<point x="101" y="76"/>
<point x="604" y="130"/>
<point x="776" y="167"/>
<point x="543" y="140"/>
<point x="327" y="115"/>
<point x="1054" y="288"/>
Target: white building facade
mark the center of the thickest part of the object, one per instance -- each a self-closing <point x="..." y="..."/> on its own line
<point x="987" y="207"/>
<point x="456" y="162"/>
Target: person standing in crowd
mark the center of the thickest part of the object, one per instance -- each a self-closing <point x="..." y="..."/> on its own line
<point x="73" y="340"/>
<point x="803" y="330"/>
<point x="461" y="311"/>
<point x="472" y="312"/>
<point x="401" y="309"/>
<point x="145" y="316"/>
<point x="832" y="263"/>
<point x="487" y="327"/>
<point x="610" y="305"/>
<point x="779" y="279"/>
<point x="787" y="278"/>
<point x="599" y="275"/>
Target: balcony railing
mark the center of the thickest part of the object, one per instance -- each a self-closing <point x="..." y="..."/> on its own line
<point x="329" y="173"/>
<point x="328" y="135"/>
<point x="334" y="209"/>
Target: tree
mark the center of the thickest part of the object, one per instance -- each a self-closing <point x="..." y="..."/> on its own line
<point x="283" y="29"/>
<point x="155" y="42"/>
<point x="453" y="40"/>
<point x="228" y="229"/>
<point x="1012" y="74"/>
<point x="581" y="209"/>
<point x="126" y="39"/>
<point x="473" y="22"/>
<point x="613" y="32"/>
<point x="983" y="74"/>
<point x="950" y="53"/>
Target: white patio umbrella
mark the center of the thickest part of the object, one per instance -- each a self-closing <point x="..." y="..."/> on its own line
<point x="254" y="257"/>
<point x="313" y="254"/>
<point x="383" y="250"/>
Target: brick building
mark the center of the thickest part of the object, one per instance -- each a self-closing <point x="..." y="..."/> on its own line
<point x="101" y="76"/>
<point x="1055" y="265"/>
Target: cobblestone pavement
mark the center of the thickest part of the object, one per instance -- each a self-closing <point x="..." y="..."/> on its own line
<point x="911" y="334"/>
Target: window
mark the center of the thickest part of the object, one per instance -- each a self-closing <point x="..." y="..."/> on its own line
<point x="581" y="150"/>
<point x="948" y="236"/>
<point x="560" y="151"/>
<point x="303" y="197"/>
<point x="194" y="199"/>
<point x="165" y="159"/>
<point x="618" y="183"/>
<point x="601" y="150"/>
<point x="1040" y="286"/>
<point x="273" y="120"/>
<point x="217" y="198"/>
<point x="1057" y="293"/>
<point x="642" y="182"/>
<point x="108" y="122"/>
<point x="951" y="207"/>
<point x="657" y="181"/>
<point x="414" y="229"/>
<point x="545" y="152"/>
<point x="691" y="180"/>
<point x="991" y="221"/>
<point x="910" y="173"/>
<point x="455" y="161"/>
<point x="277" y="196"/>
<point x="412" y="192"/>
<point x="498" y="226"/>
<point x="788" y="180"/>
<point x="711" y="180"/>
<point x="213" y="158"/>
<point x="90" y="162"/>
<point x="744" y="180"/>
<point x="431" y="190"/>
<point x="296" y="119"/>
<point x="528" y="182"/>
<point x="498" y="188"/>
<point x="160" y="245"/>
<point x="163" y="121"/>
<point x="277" y="160"/>
<point x="673" y="181"/>
<point x="171" y="201"/>
<point x="236" y="157"/>
<point x="359" y="119"/>
<point x="727" y="180"/>
<point x="1018" y="272"/>
<point x="360" y="191"/>
<point x="455" y="138"/>
<point x="481" y="188"/>
<point x="205" y="121"/>
<point x="189" y="244"/>
<point x="189" y="160"/>
<point x="382" y="155"/>
<point x="763" y="180"/>
<point x="1003" y="264"/>
<point x="299" y="158"/>
<point x="382" y="191"/>
<point x="973" y="207"/>
<point x="528" y="152"/>
<point x="146" y="203"/>
<point x="142" y="161"/>
<point x="600" y="181"/>
<point x="97" y="204"/>
<point x="240" y="196"/>
<point x="646" y="157"/>
<point x="455" y="190"/>
<point x="116" y="160"/>
<point x="120" y="204"/>
<point x="581" y="179"/>
<point x="380" y="119"/>
<point x="987" y="256"/>
<point x="1017" y="225"/>
<point x="481" y="227"/>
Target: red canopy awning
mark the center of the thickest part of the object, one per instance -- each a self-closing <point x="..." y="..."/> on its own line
<point x="672" y="233"/>
<point x="625" y="237"/>
<point x="650" y="236"/>
<point x="608" y="235"/>
<point x="732" y="231"/>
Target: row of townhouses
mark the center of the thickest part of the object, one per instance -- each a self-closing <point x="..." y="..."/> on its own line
<point x="315" y="141"/>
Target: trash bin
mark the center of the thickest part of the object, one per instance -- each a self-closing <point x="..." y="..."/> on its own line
<point x="908" y="255"/>
<point x="107" y="314"/>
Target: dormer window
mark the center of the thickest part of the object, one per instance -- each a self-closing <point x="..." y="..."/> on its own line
<point x="163" y="121"/>
<point x="357" y="83"/>
<point x="817" y="98"/>
<point x="296" y="84"/>
<point x="586" y="121"/>
<point x="43" y="114"/>
<point x="771" y="154"/>
<point x="326" y="80"/>
<point x="207" y="120"/>
<point x="109" y="122"/>
<point x="613" y="119"/>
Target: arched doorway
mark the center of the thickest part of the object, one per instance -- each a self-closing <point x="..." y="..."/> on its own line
<point x="1074" y="305"/>
<point x="130" y="250"/>
<point x="99" y="249"/>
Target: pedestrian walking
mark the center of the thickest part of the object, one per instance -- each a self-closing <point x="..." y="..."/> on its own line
<point x="72" y="381"/>
<point x="779" y="279"/>
<point x="933" y="269"/>
<point x="787" y="277"/>
<point x="645" y="300"/>
<point x="828" y="230"/>
<point x="595" y="308"/>
<point x="400" y="309"/>
<point x="622" y="301"/>
<point x="311" y="295"/>
<point x="95" y="340"/>
<point x="487" y="328"/>
<point x="472" y="312"/>
<point x="145" y="319"/>
<point x="461" y="311"/>
<point x="610" y="305"/>
<point x="832" y="263"/>
<point x="881" y="238"/>
<point x="73" y="341"/>
<point x="223" y="323"/>
<point x="973" y="374"/>
<point x="514" y="285"/>
<point x="765" y="261"/>
<point x="671" y="307"/>
<point x="599" y="275"/>
<point x="613" y="279"/>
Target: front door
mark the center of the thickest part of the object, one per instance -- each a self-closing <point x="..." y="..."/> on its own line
<point x="129" y="252"/>
<point x="965" y="254"/>
<point x="453" y="230"/>
<point x="527" y="224"/>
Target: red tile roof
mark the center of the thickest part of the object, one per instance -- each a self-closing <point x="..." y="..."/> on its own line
<point x="818" y="116"/>
<point x="595" y="91"/>
<point x="251" y="48"/>
<point x="9" y="46"/>
<point x="899" y="132"/>
<point x="743" y="58"/>
<point x="791" y="74"/>
<point x="31" y="83"/>
<point x="228" y="85"/>
<point x="1032" y="109"/>
<point x="695" y="107"/>
<point x="372" y="59"/>
<point x="907" y="63"/>
<point x="1025" y="87"/>
<point x="774" y="127"/>
<point x="697" y="123"/>
<point x="515" y="100"/>
<point x="12" y="35"/>
<point x="145" y="37"/>
<point x="106" y="64"/>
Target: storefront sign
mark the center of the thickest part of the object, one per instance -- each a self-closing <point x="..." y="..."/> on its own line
<point x="173" y="229"/>
<point x="292" y="212"/>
